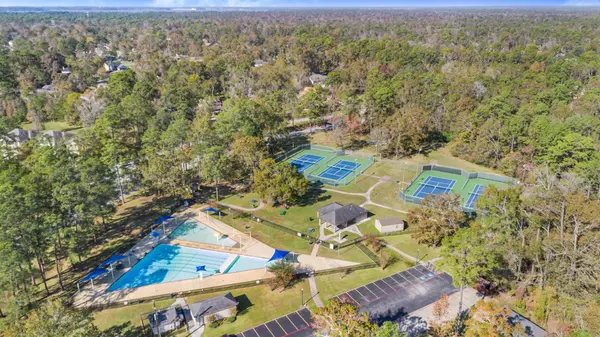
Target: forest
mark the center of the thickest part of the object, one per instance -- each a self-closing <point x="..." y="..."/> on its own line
<point x="204" y="98"/>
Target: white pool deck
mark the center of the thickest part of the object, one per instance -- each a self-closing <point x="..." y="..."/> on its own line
<point x="98" y="296"/>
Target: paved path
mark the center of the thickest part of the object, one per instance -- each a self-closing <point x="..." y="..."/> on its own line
<point x="409" y="257"/>
<point x="314" y="292"/>
<point x="367" y="195"/>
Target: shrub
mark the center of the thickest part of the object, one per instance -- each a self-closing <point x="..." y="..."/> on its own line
<point x="231" y="319"/>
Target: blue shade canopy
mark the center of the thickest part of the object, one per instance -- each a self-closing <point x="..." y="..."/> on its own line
<point x="278" y="255"/>
<point x="155" y="234"/>
<point x="112" y="260"/>
<point x="95" y="273"/>
<point x="201" y="268"/>
<point x="162" y="219"/>
<point x="210" y="209"/>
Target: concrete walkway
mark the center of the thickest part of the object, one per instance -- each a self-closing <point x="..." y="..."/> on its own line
<point x="367" y="195"/>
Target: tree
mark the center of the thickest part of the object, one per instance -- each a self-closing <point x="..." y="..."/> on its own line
<point x="53" y="319"/>
<point x="487" y="320"/>
<point x="466" y="257"/>
<point x="389" y="329"/>
<point x="440" y="216"/>
<point x="313" y="104"/>
<point x="279" y="181"/>
<point x="284" y="273"/>
<point x="90" y="109"/>
<point x="250" y="151"/>
<point x="338" y="319"/>
<point x="441" y="307"/>
<point x="570" y="151"/>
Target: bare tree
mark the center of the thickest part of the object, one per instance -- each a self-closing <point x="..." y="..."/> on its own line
<point x="380" y="137"/>
<point x="90" y="109"/>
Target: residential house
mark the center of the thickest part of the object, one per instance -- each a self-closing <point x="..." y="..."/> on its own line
<point x="18" y="137"/>
<point x="213" y="309"/>
<point x="53" y="138"/>
<point x="317" y="79"/>
<point x="259" y="63"/>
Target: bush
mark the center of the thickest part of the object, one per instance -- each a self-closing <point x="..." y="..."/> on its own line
<point x="214" y="324"/>
<point x="231" y="319"/>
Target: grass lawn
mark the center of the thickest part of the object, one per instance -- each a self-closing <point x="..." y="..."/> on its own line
<point x="377" y="213"/>
<point x="270" y="236"/>
<point x="359" y="185"/>
<point x="350" y="253"/>
<point x="298" y="217"/>
<point x="387" y="194"/>
<point x="331" y="285"/>
<point x="54" y="126"/>
<point x="256" y="305"/>
<point x="410" y="246"/>
<point x="242" y="199"/>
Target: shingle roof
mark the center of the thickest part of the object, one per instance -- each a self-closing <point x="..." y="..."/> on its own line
<point x="344" y="214"/>
<point x="165" y="317"/>
<point x="22" y="135"/>
<point x="531" y="329"/>
<point x="329" y="208"/>
<point x="391" y="221"/>
<point x="212" y="305"/>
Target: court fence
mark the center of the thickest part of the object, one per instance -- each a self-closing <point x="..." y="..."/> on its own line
<point x="337" y="152"/>
<point x="487" y="176"/>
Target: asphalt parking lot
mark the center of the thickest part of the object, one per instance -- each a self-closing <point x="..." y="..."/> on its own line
<point x="394" y="297"/>
<point x="296" y="324"/>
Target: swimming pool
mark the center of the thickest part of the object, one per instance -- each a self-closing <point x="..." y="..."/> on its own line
<point x="191" y="230"/>
<point x="167" y="263"/>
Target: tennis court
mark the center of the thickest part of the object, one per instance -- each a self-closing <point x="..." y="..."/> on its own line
<point x="435" y="186"/>
<point x="305" y="161"/>
<point x="477" y="191"/>
<point x="339" y="170"/>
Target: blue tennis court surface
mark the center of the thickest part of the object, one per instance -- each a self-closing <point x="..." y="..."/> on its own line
<point x="305" y="161"/>
<point x="339" y="170"/>
<point x="435" y="186"/>
<point x="477" y="191"/>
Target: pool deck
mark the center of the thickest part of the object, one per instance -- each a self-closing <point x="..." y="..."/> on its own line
<point x="97" y="296"/>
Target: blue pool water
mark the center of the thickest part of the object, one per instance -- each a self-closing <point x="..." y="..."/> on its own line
<point x="191" y="230"/>
<point x="167" y="263"/>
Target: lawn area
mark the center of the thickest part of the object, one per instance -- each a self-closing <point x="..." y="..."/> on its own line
<point x="410" y="246"/>
<point x="242" y="199"/>
<point x="377" y="213"/>
<point x="298" y="217"/>
<point x="387" y="194"/>
<point x="55" y="126"/>
<point x="331" y="285"/>
<point x="350" y="253"/>
<point x="359" y="185"/>
<point x="268" y="235"/>
<point x="256" y="305"/>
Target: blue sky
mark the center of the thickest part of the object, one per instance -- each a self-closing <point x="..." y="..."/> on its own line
<point x="300" y="3"/>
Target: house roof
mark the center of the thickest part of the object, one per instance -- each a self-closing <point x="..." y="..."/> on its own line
<point x="22" y="135"/>
<point x="164" y="317"/>
<point x="329" y="208"/>
<point x="344" y="214"/>
<point x="212" y="305"/>
<point x="314" y="78"/>
<point x="391" y="221"/>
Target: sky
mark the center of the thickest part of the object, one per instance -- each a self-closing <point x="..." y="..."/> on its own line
<point x="300" y="3"/>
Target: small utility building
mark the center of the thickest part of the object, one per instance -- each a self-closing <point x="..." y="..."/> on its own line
<point x="387" y="225"/>
<point x="339" y="216"/>
<point x="166" y="320"/>
<point x="213" y="309"/>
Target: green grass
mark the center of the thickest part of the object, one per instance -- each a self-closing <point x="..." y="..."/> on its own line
<point x="242" y="199"/>
<point x="350" y="253"/>
<point x="334" y="284"/>
<point x="359" y="185"/>
<point x="270" y="236"/>
<point x="54" y="126"/>
<point x="298" y="217"/>
<point x="256" y="305"/>
<point x="407" y="244"/>
<point x="387" y="194"/>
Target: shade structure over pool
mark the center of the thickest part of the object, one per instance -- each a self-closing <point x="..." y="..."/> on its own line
<point x="278" y="255"/>
<point x="91" y="276"/>
<point x="210" y="209"/>
<point x="112" y="260"/>
<point x="162" y="219"/>
<point x="200" y="268"/>
<point x="155" y="234"/>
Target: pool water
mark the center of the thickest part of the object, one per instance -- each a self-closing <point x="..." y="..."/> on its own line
<point x="167" y="263"/>
<point x="191" y="230"/>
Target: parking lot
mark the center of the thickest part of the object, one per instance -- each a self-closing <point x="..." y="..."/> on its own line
<point x="296" y="324"/>
<point x="392" y="298"/>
